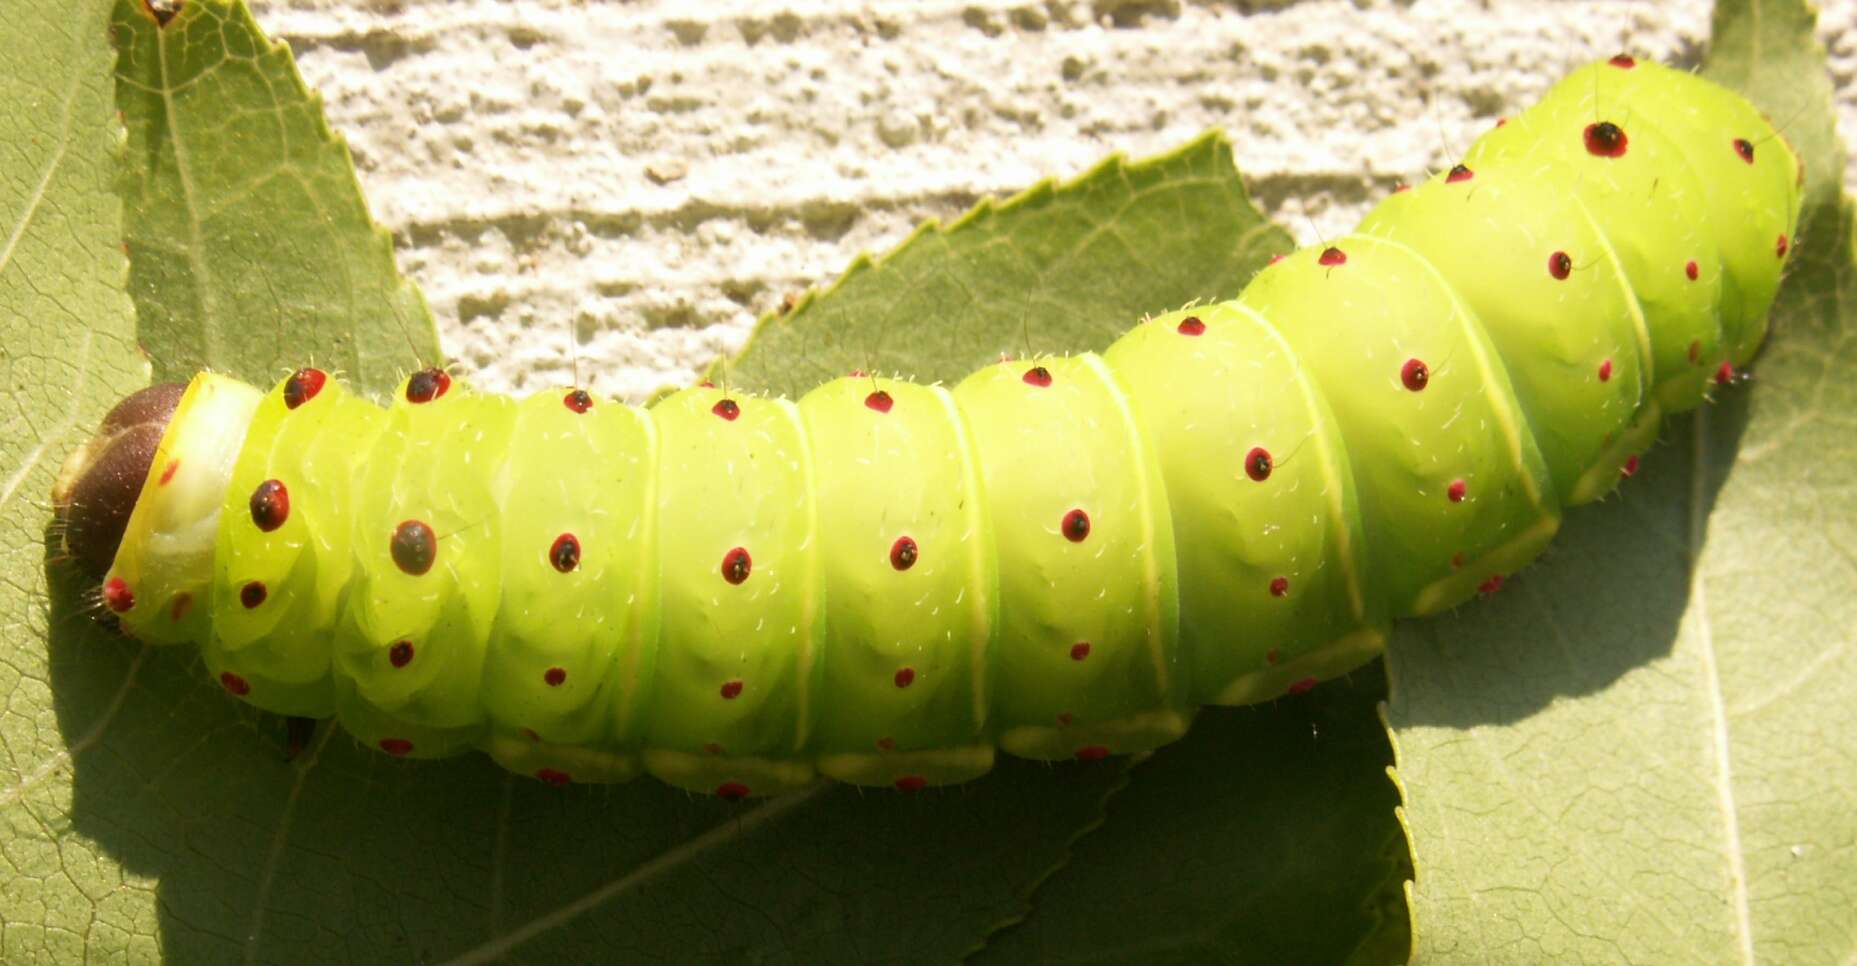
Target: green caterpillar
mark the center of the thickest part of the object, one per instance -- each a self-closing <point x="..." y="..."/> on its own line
<point x="884" y="582"/>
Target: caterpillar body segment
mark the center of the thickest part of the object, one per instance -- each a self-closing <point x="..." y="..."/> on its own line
<point x="1059" y="557"/>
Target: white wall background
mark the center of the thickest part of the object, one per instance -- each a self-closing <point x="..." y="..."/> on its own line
<point x="631" y="184"/>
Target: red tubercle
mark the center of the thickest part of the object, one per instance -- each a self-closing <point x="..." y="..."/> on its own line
<point x="1092" y="753"/>
<point x="413" y="547"/>
<point x="1401" y="186"/>
<point x="732" y="791"/>
<point x="554" y="677"/>
<point x="1724" y="374"/>
<point x="178" y="608"/>
<point x="1490" y="586"/>
<point x="1605" y="370"/>
<point x="1075" y="526"/>
<point x="730" y="690"/>
<point x="252" y="594"/>
<point x="903" y="553"/>
<point x="1630" y="469"/>
<point x="1624" y="61"/>
<point x="427" y="384"/>
<point x="578" y="400"/>
<point x="911" y="783"/>
<point x="1782" y="246"/>
<point x="1605" y="139"/>
<point x="553" y="776"/>
<point x="1080" y="650"/>
<point x="167" y="475"/>
<point x="1300" y="686"/>
<point x="1560" y="265"/>
<point x="117" y="596"/>
<point x="1692" y="270"/>
<point x="1037" y="376"/>
<point x="1191" y="325"/>
<point x="1415" y="375"/>
<point x="1279" y="586"/>
<point x="1258" y="464"/>
<point x="233" y="684"/>
<point x="1332" y="257"/>
<point x="1456" y="491"/>
<point x="397" y="747"/>
<point x="1459" y="173"/>
<point x="1274" y="259"/>
<point x="728" y="409"/>
<point x="879" y="401"/>
<point x="1745" y="149"/>
<point x="270" y="505"/>
<point x="564" y="553"/>
<point x="400" y="654"/>
<point x="303" y="385"/>
<point x="904" y="677"/>
<point x="736" y="565"/>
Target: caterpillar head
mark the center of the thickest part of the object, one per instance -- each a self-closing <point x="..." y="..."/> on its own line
<point x="140" y="501"/>
<point x="98" y="485"/>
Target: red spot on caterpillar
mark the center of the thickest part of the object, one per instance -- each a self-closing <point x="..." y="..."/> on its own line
<point x="1630" y="468"/>
<point x="736" y="564"/>
<point x="731" y="690"/>
<point x="1459" y="173"/>
<point x="427" y="385"/>
<point x="1092" y="753"/>
<point x="727" y="409"/>
<point x="880" y="401"/>
<point x="905" y="677"/>
<point x="303" y="385"/>
<point x="1257" y="464"/>
<point x="1724" y="374"/>
<point x="1456" y="491"/>
<point x="705" y="384"/>
<point x="1080" y="650"/>
<point x="1490" y="586"/>
<point x="911" y="783"/>
<point x="903" y="553"/>
<point x="1692" y="270"/>
<point x="553" y="776"/>
<point x="1300" y="686"/>
<point x="1622" y="60"/>
<point x="270" y="505"/>
<point x="1695" y="351"/>
<point x="1502" y="121"/>
<point x="400" y="654"/>
<point x="1605" y="140"/>
<point x="858" y="373"/>
<point x="564" y="553"/>
<point x="1402" y="186"/>
<point x="1780" y="246"/>
<point x="167" y="475"/>
<point x="397" y="747"/>
<point x="731" y="791"/>
<point x="579" y="400"/>
<point x="1191" y="325"/>
<point x="179" y="608"/>
<point x="886" y="743"/>
<point x="1744" y="148"/>
<point x="234" y="684"/>
<point x="1560" y="265"/>
<point x="1037" y="376"/>
<point x="1332" y="256"/>
<point x="1415" y="375"/>
<point x="1605" y="371"/>
<point x="554" y="677"/>
<point x="1270" y="656"/>
<point x="117" y="596"/>
<point x="252" y="594"/>
<point x="1274" y="259"/>
<point x="414" y="547"/>
<point x="1076" y="526"/>
<point x="1279" y="586"/>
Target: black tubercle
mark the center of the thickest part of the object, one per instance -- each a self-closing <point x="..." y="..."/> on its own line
<point x="103" y="490"/>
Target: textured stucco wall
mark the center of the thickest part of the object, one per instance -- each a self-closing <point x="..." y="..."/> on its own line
<point x="631" y="184"/>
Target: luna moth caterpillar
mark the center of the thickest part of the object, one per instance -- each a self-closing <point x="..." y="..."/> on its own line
<point x="1059" y="557"/>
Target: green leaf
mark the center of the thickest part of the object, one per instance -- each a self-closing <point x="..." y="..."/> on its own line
<point x="251" y="250"/>
<point x="67" y="353"/>
<point x="1645" y="750"/>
